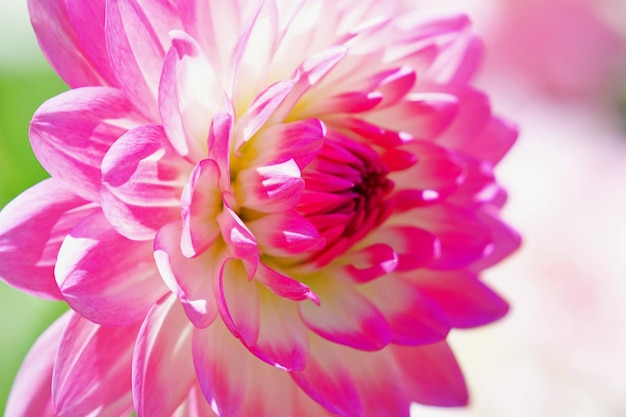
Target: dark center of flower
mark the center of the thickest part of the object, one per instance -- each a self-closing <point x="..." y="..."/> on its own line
<point x="344" y="196"/>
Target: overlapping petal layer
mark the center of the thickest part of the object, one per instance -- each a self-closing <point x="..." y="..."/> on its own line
<point x="274" y="207"/>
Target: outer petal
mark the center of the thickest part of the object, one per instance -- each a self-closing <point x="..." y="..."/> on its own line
<point x="344" y="316"/>
<point x="162" y="368"/>
<point x="92" y="369"/>
<point x="136" y="36"/>
<point x="238" y="384"/>
<point x="31" y="394"/>
<point x="32" y="228"/>
<point x="92" y="271"/>
<point x="142" y="178"/>
<point x="71" y="133"/>
<point x="60" y="43"/>
<point x="431" y="374"/>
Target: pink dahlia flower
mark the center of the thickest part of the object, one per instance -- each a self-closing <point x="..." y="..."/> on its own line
<point x="257" y="208"/>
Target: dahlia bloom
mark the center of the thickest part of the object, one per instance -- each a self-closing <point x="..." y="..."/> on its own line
<point x="256" y="208"/>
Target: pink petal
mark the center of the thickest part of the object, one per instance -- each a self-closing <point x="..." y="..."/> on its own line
<point x="238" y="384"/>
<point x="32" y="228"/>
<point x="87" y="19"/>
<point x="272" y="188"/>
<point x="31" y="394"/>
<point x="285" y="234"/>
<point x="284" y="286"/>
<point x="92" y="369"/>
<point x="505" y="239"/>
<point x="162" y="367"/>
<point x="344" y="316"/>
<point x="190" y="279"/>
<point x="431" y="374"/>
<point x="239" y="239"/>
<point x="238" y="301"/>
<point x="413" y="318"/>
<point x="71" y="133"/>
<point x="189" y="96"/>
<point x="136" y="36"/>
<point x="300" y="141"/>
<point x="61" y="45"/>
<point x="142" y="178"/>
<point x="423" y="115"/>
<point x="219" y="143"/>
<point x="371" y="262"/>
<point x="495" y="140"/>
<point x="195" y="405"/>
<point x="465" y="300"/>
<point x="201" y="203"/>
<point x="92" y="272"/>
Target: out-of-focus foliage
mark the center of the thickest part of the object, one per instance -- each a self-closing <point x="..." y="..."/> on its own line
<point x="21" y="92"/>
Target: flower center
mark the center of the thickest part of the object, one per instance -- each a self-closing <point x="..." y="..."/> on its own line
<point x="344" y="195"/>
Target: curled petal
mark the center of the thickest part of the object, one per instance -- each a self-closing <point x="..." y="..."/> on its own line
<point x="240" y="240"/>
<point x="31" y="394"/>
<point x="284" y="286"/>
<point x="162" y="353"/>
<point x="189" y="279"/>
<point x="92" y="272"/>
<point x="92" y="369"/>
<point x="372" y="262"/>
<point x="285" y="234"/>
<point x="142" y="181"/>
<point x="72" y="132"/>
<point x="32" y="228"/>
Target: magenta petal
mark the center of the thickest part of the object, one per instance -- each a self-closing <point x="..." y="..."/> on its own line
<point x="32" y="228"/>
<point x="92" y="369"/>
<point x="432" y="375"/>
<point x="142" y="180"/>
<point x="201" y="202"/>
<point x="284" y="286"/>
<point x="61" y="45"/>
<point x="285" y="234"/>
<point x="71" y="133"/>
<point x="92" y="271"/>
<point x="344" y="316"/>
<point x="190" y="279"/>
<point x="162" y="367"/>
<point x="464" y="299"/>
<point x="136" y="34"/>
<point x="31" y="392"/>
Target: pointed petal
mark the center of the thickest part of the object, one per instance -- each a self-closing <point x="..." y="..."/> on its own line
<point x="71" y="133"/>
<point x="284" y="286"/>
<point x="285" y="234"/>
<point x="431" y="374"/>
<point x="31" y="391"/>
<point x="32" y="228"/>
<point x="190" y="279"/>
<point x="92" y="369"/>
<point x="162" y="367"/>
<point x="142" y="180"/>
<point x="239" y="239"/>
<point x="344" y="316"/>
<point x="92" y="272"/>
<point x="61" y="45"/>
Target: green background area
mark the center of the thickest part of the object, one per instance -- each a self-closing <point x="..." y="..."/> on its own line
<point x="23" y="316"/>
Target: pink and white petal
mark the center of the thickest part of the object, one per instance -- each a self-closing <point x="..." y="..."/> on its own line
<point x="201" y="203"/>
<point x="285" y="234"/>
<point x="505" y="239"/>
<point x="71" y="133"/>
<point x="87" y="19"/>
<point x="463" y="237"/>
<point x="189" y="96"/>
<point x="136" y="37"/>
<point x="195" y="405"/>
<point x="31" y="391"/>
<point x="414" y="319"/>
<point x="142" y="180"/>
<point x="92" y="369"/>
<point x="459" y="61"/>
<point x="284" y="286"/>
<point x="270" y="188"/>
<point x="423" y="115"/>
<point x="371" y="262"/>
<point x="344" y="316"/>
<point x="240" y="241"/>
<point x="464" y="299"/>
<point x="32" y="228"/>
<point x="238" y="300"/>
<point x="300" y="141"/>
<point x="237" y="384"/>
<point x="60" y="44"/>
<point x="163" y="371"/>
<point x="92" y="272"/>
<point x="283" y="338"/>
<point x="190" y="279"/>
<point x="431" y="374"/>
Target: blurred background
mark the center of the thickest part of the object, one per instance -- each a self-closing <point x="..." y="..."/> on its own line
<point x="556" y="67"/>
